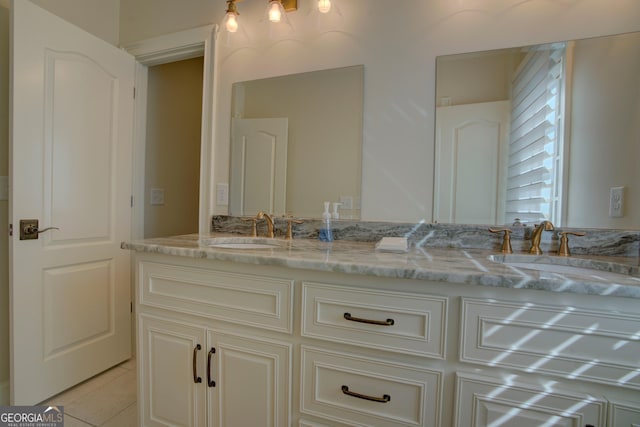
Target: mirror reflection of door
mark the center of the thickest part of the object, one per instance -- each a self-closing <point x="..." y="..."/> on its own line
<point x="470" y="183"/>
<point x="172" y="161"/>
<point x="259" y="166"/>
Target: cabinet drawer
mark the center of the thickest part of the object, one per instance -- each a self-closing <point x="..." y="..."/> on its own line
<point x="568" y="341"/>
<point x="400" y="322"/>
<point x="484" y="401"/>
<point x="624" y="414"/>
<point x="338" y="386"/>
<point x="258" y="301"/>
<point x="305" y="423"/>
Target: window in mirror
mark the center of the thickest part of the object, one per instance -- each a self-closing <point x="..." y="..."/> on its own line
<point x="534" y="177"/>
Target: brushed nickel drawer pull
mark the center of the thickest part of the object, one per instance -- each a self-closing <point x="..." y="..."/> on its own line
<point x="384" y="399"/>
<point x="196" y="378"/>
<point x="387" y="322"/>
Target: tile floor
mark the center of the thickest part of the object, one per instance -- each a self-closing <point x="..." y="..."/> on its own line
<point x="107" y="400"/>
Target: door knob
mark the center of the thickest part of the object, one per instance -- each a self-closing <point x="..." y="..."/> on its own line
<point x="29" y="229"/>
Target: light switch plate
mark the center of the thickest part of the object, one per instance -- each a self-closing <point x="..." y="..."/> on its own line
<point x="4" y="188"/>
<point x="222" y="194"/>
<point x="157" y="196"/>
<point x="346" y="202"/>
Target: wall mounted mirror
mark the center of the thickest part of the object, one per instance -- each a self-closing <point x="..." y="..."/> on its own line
<point x="296" y="141"/>
<point x="540" y="132"/>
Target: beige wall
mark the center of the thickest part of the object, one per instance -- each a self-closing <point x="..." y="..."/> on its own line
<point x="4" y="208"/>
<point x="98" y="17"/>
<point x="141" y="19"/>
<point x="605" y="124"/>
<point x="398" y="47"/>
<point x="470" y="78"/>
<point x="172" y="162"/>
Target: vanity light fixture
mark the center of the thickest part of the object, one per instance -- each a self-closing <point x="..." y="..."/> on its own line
<point x="230" y="22"/>
<point x="324" y="6"/>
<point x="277" y="9"/>
<point x="275" y="13"/>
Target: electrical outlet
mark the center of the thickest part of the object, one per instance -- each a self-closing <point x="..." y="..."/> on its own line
<point x="616" y="202"/>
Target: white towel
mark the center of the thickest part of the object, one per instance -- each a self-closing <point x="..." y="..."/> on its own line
<point x="393" y="244"/>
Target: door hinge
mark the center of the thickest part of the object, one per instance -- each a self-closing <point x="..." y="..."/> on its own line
<point x="131" y="306"/>
<point x="134" y="92"/>
<point x="131" y="201"/>
<point x="10" y="229"/>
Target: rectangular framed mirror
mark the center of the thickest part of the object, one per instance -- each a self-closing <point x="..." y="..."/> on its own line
<point x="296" y="141"/>
<point x="540" y="132"/>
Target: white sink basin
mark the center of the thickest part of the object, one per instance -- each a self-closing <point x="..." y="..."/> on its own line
<point x="583" y="272"/>
<point x="554" y="268"/>
<point x="242" y="243"/>
<point x="242" y="246"/>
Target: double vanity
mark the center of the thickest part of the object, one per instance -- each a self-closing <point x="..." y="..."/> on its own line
<point x="245" y="331"/>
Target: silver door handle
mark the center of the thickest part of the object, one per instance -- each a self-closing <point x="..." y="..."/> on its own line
<point x="29" y="229"/>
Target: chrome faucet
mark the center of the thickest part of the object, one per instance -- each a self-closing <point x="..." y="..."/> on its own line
<point x="536" y="234"/>
<point x="269" y="219"/>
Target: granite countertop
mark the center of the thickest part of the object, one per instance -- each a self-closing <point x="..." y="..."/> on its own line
<point x="610" y="276"/>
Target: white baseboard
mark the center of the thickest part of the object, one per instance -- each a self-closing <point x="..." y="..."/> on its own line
<point x="4" y="393"/>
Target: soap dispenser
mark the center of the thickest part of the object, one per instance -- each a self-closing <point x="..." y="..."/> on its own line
<point x="326" y="234"/>
<point x="335" y="214"/>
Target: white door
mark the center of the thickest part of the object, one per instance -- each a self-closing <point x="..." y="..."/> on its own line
<point x="70" y="167"/>
<point x="470" y="169"/>
<point x="258" y="166"/>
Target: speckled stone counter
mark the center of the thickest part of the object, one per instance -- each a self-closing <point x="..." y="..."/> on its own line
<point x="610" y="276"/>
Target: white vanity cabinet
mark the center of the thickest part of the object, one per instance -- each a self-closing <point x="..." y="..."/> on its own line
<point x="306" y="348"/>
<point x="195" y="370"/>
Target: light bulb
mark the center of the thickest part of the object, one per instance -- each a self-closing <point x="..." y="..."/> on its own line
<point x="324" y="6"/>
<point x="231" y="22"/>
<point x="274" y="11"/>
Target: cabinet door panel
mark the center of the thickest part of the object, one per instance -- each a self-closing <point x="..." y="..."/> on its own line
<point x="252" y="381"/>
<point x="169" y="396"/>
<point x="624" y="414"/>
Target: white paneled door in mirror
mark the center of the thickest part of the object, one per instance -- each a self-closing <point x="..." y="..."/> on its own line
<point x="259" y="166"/>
